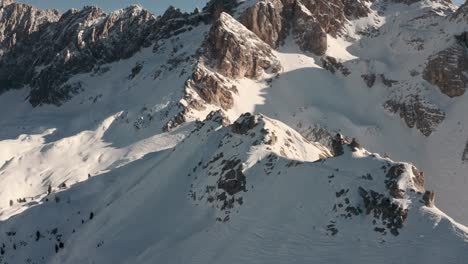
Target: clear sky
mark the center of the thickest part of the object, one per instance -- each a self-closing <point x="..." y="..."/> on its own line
<point x="156" y="6"/>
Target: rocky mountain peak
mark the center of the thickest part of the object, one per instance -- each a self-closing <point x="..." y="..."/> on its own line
<point x="310" y="21"/>
<point x="19" y="21"/>
<point x="4" y="3"/>
<point x="462" y="11"/>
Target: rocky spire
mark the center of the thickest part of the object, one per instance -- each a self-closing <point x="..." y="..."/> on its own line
<point x="5" y="2"/>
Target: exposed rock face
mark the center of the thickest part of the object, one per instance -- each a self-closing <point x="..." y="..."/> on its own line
<point x="267" y="20"/>
<point x="391" y="181"/>
<point x="212" y="87"/>
<point x="309" y="33"/>
<point x="333" y="65"/>
<point x="418" y="180"/>
<point x="236" y="52"/>
<point x="233" y="179"/>
<point x="417" y="113"/>
<point x="5" y="2"/>
<point x="369" y="79"/>
<point x="229" y="52"/>
<point x="429" y="198"/>
<point x="337" y="145"/>
<point x="18" y="21"/>
<point x="448" y="69"/>
<point x="381" y="207"/>
<point x="218" y="117"/>
<point x="245" y="123"/>
<point x="216" y="7"/>
<point x="356" y="9"/>
<point x="76" y="42"/>
<point x="310" y="21"/>
<point x="462" y="12"/>
<point x="463" y="39"/>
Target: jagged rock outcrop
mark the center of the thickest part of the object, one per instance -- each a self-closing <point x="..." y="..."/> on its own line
<point x="245" y="123"/>
<point x="5" y="2"/>
<point x="356" y="8"/>
<point x="333" y="65"/>
<point x="384" y="207"/>
<point x="267" y="20"/>
<point x="417" y="113"/>
<point x="216" y="7"/>
<point x="309" y="33"/>
<point x="462" y="12"/>
<point x="212" y="87"/>
<point x="448" y="69"/>
<point x="229" y="52"/>
<point x="76" y="43"/>
<point x="79" y="41"/>
<point x="19" y="21"/>
<point x="429" y="198"/>
<point x="218" y="117"/>
<point x="310" y="21"/>
<point x="236" y="52"/>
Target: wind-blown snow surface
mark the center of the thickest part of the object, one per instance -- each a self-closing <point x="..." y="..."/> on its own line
<point x="145" y="211"/>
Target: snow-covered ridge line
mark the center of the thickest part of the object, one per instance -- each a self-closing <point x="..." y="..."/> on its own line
<point x="255" y="172"/>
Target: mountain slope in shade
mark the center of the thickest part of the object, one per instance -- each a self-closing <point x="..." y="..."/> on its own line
<point x="234" y="194"/>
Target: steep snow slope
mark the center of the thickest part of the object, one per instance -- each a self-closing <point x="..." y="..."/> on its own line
<point x="117" y="120"/>
<point x="231" y="194"/>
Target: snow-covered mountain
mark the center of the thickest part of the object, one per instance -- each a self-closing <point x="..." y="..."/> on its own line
<point x="212" y="136"/>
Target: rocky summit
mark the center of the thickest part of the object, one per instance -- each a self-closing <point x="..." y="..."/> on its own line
<point x="245" y="131"/>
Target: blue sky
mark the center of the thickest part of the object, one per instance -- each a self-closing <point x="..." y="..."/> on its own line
<point x="156" y="6"/>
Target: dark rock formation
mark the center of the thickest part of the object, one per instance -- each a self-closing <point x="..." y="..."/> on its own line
<point x="391" y="181"/>
<point x="429" y="198"/>
<point x="369" y="79"/>
<point x="245" y="123"/>
<point x="462" y="12"/>
<point x="233" y="179"/>
<point x="356" y="9"/>
<point x="76" y="42"/>
<point x="332" y="65"/>
<point x="218" y="117"/>
<point x="337" y="145"/>
<point x="448" y="69"/>
<point x="354" y="145"/>
<point x="382" y="208"/>
<point x="417" y="113"/>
